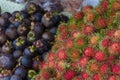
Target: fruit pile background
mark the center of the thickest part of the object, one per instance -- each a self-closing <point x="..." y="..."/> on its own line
<point x="87" y="47"/>
<point x="25" y="37"/>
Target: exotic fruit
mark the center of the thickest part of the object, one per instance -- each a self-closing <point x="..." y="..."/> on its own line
<point x="91" y="48"/>
<point x="25" y="38"/>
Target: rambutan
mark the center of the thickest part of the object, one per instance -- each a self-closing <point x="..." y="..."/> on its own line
<point x="106" y="42"/>
<point x="116" y="5"/>
<point x="102" y="23"/>
<point x="104" y="69"/>
<point x="90" y="17"/>
<point x="69" y="43"/>
<point x="89" y="51"/>
<point x="100" y="56"/>
<point x="94" y="40"/>
<point x="79" y="16"/>
<point x="75" y="54"/>
<point x="85" y="75"/>
<point x="114" y="48"/>
<point x="62" y="54"/>
<point x="83" y="61"/>
<point x="69" y="75"/>
<point x="116" y="69"/>
<point x="89" y="29"/>
<point x="105" y="4"/>
<point x="87" y="8"/>
<point x="112" y="77"/>
<point x="97" y="77"/>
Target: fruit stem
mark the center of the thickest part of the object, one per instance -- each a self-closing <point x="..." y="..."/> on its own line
<point x="32" y="73"/>
<point x="32" y="48"/>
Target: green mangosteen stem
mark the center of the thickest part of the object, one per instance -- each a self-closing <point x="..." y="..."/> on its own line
<point x="31" y="35"/>
<point x="31" y="73"/>
<point x="32" y="48"/>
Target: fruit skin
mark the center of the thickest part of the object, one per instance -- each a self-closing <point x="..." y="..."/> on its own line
<point x="105" y="5"/>
<point x="97" y="77"/>
<point x="90" y="17"/>
<point x="106" y="42"/>
<point x="89" y="51"/>
<point x="83" y="61"/>
<point x="48" y="36"/>
<point x="3" y="38"/>
<point x="42" y="46"/>
<point x="104" y="69"/>
<point x="11" y="33"/>
<point x="101" y="23"/>
<point x="113" y="77"/>
<point x="87" y="8"/>
<point x="116" y="5"/>
<point x="79" y="16"/>
<point x="116" y="69"/>
<point x="21" y="72"/>
<point x="26" y="61"/>
<point x="114" y="48"/>
<point x="100" y="56"/>
<point x="69" y="43"/>
<point x="89" y="29"/>
<point x="49" y="20"/>
<point x="39" y="28"/>
<point x="30" y="51"/>
<point x="17" y="54"/>
<point x="62" y="55"/>
<point x="15" y="77"/>
<point x="69" y="75"/>
<point x="46" y="75"/>
<point x="85" y="75"/>
<point x="7" y="61"/>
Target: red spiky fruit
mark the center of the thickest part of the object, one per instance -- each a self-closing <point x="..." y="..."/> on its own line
<point x="100" y="56"/>
<point x="46" y="75"/>
<point x="114" y="48"/>
<point x="94" y="40"/>
<point x="116" y="5"/>
<point x="85" y="75"/>
<point x="51" y="56"/>
<point x="81" y="42"/>
<point x="113" y="77"/>
<point x="106" y="42"/>
<point x="75" y="54"/>
<point x="79" y="16"/>
<point x="100" y="10"/>
<point x="94" y="67"/>
<point x="89" y="29"/>
<point x="104" y="69"/>
<point x="87" y="8"/>
<point x="69" y="75"/>
<point x="101" y="23"/>
<point x="116" y="69"/>
<point x="117" y="34"/>
<point x="83" y="61"/>
<point x="97" y="77"/>
<point x="69" y="43"/>
<point x="60" y="65"/>
<point x="89" y="51"/>
<point x="74" y="26"/>
<point x="62" y="54"/>
<point x="90" y="17"/>
<point x="105" y="4"/>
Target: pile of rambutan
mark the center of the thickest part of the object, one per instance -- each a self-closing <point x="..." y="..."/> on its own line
<point x="87" y="47"/>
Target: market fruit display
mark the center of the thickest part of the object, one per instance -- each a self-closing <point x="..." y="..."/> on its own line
<point x="87" y="47"/>
<point x="25" y="37"/>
